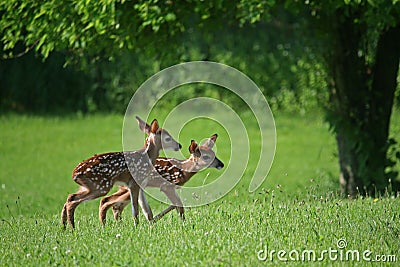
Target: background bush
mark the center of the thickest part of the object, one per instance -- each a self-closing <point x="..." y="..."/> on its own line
<point x="288" y="73"/>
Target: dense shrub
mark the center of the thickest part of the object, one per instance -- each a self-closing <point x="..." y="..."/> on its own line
<point x="289" y="74"/>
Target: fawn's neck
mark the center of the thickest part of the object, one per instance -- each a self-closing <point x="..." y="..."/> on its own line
<point x="152" y="151"/>
<point x="187" y="167"/>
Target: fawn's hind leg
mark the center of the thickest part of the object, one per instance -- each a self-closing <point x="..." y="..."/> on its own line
<point x="89" y="190"/>
<point x="117" y="201"/>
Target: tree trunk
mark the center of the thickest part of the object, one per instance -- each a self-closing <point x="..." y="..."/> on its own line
<point x="383" y="88"/>
<point x="361" y="105"/>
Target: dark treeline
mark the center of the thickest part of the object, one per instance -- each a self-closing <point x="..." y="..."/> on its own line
<point x="275" y="55"/>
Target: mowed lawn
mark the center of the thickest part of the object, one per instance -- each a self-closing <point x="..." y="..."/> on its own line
<point x="297" y="210"/>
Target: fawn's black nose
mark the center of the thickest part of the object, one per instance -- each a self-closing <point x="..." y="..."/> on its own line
<point x="180" y="146"/>
<point x="220" y="165"/>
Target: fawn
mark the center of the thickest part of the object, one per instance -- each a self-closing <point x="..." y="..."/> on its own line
<point x="174" y="172"/>
<point x="97" y="175"/>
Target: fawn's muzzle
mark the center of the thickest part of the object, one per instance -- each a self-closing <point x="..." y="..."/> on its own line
<point x="220" y="165"/>
<point x="180" y="146"/>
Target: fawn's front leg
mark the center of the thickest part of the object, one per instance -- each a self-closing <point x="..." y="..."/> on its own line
<point x="170" y="192"/>
<point x="134" y="195"/>
<point x="145" y="206"/>
<point x="162" y="214"/>
<point x="119" y="200"/>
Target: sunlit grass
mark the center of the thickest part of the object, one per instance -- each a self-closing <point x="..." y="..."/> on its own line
<point x="297" y="207"/>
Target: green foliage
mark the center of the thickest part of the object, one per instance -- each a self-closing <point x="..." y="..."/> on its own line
<point x="393" y="159"/>
<point x="253" y="11"/>
<point x="102" y="27"/>
<point x="393" y="152"/>
<point x="56" y="26"/>
<point x="285" y="66"/>
<point x="288" y="72"/>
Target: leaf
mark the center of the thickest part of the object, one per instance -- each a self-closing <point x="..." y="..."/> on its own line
<point x="170" y="17"/>
<point x="90" y="25"/>
<point x="42" y="40"/>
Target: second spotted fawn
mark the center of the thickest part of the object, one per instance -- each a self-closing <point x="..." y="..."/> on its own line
<point x="174" y="172"/>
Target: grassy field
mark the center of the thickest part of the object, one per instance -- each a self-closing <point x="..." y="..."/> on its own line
<point x="297" y="210"/>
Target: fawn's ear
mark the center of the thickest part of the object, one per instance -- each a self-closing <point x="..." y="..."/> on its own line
<point x="192" y="147"/>
<point x="211" y="141"/>
<point x="154" y="126"/>
<point x="143" y="126"/>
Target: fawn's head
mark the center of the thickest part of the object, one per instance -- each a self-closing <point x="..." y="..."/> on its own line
<point x="203" y="156"/>
<point x="157" y="136"/>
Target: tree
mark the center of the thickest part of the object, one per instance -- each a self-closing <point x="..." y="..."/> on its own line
<point x="359" y="39"/>
<point x="362" y="59"/>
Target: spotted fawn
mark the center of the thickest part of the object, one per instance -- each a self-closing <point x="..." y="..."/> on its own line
<point x="174" y="173"/>
<point x="97" y="175"/>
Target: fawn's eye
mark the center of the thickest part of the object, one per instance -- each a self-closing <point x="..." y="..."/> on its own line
<point x="167" y="139"/>
<point x="206" y="157"/>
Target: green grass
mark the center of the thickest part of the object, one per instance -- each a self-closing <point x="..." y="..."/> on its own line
<point x="297" y="207"/>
